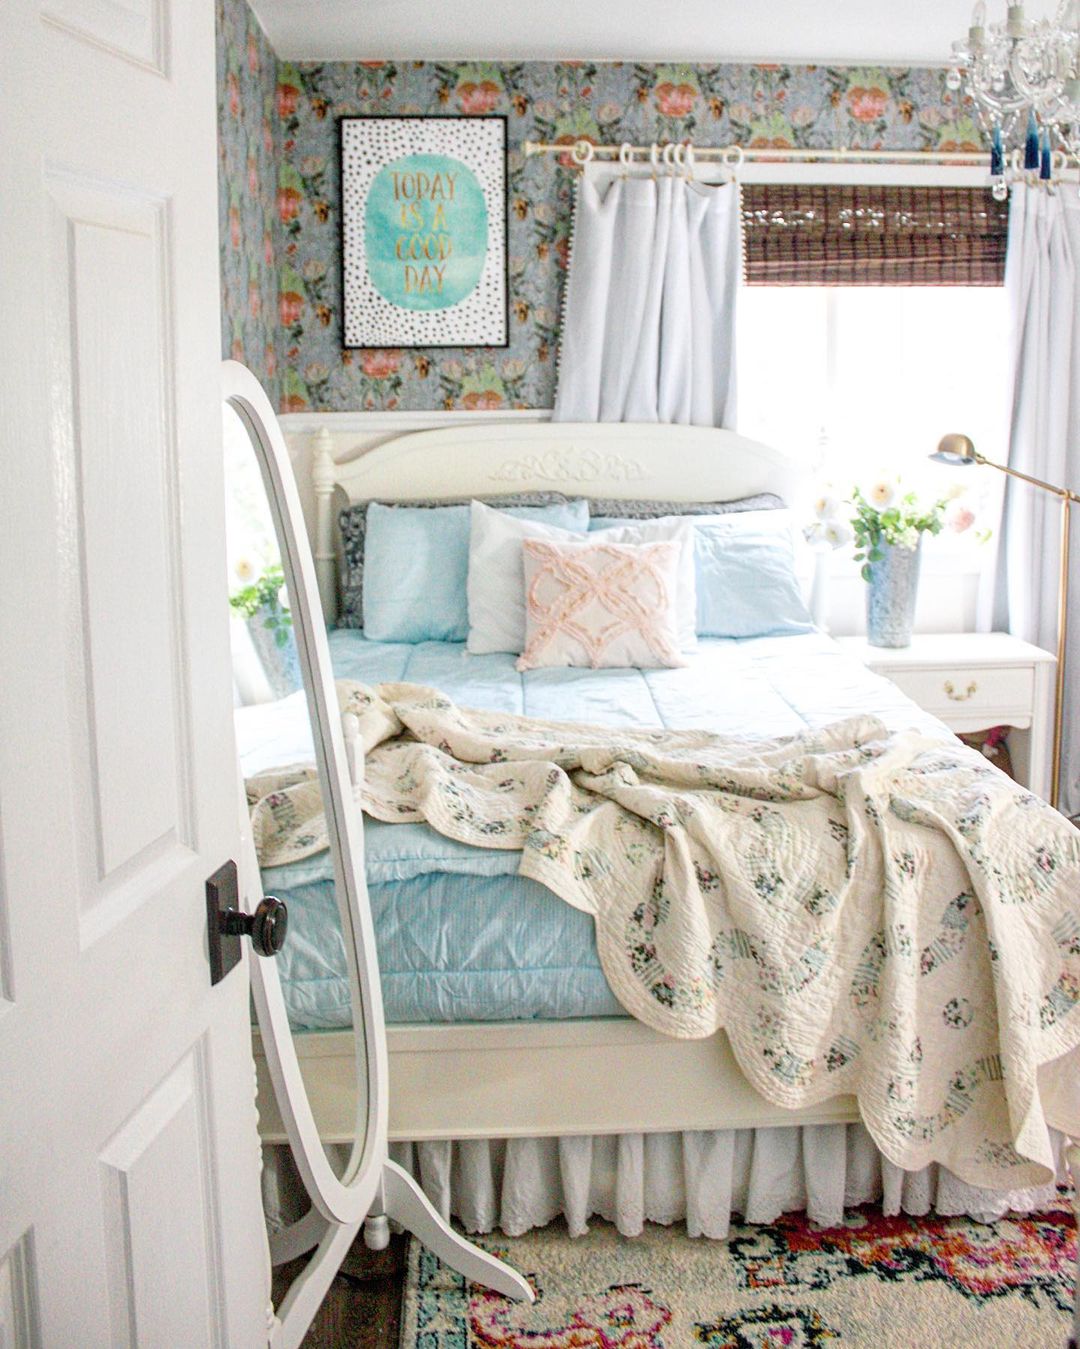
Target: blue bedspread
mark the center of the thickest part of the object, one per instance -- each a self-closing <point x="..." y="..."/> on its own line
<point x="460" y="937"/>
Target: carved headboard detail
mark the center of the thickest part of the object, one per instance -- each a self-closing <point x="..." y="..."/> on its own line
<point x="583" y="468"/>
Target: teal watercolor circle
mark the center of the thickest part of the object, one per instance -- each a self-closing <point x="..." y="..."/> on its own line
<point x="417" y="257"/>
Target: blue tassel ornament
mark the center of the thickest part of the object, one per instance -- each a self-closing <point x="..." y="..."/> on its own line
<point x="1031" y="145"/>
<point x="997" y="155"/>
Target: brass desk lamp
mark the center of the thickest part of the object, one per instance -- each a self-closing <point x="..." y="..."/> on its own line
<point x="959" y="450"/>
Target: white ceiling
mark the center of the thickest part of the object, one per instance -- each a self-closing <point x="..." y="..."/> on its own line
<point x="899" y="32"/>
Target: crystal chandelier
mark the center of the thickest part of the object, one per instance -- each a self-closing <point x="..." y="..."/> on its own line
<point x="1023" y="76"/>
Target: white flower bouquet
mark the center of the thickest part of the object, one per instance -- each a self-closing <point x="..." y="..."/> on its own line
<point x="884" y="512"/>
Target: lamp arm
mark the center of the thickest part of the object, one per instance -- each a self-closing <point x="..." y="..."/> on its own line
<point x="1062" y="492"/>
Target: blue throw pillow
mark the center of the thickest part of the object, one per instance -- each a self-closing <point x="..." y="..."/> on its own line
<point x="746" y="580"/>
<point x="416" y="565"/>
<point x="747" y="584"/>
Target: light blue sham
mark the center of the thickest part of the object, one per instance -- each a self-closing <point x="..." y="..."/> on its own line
<point x="745" y="574"/>
<point x="416" y="563"/>
<point x="746" y="582"/>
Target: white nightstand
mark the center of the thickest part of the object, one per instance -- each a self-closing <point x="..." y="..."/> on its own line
<point x="975" y="680"/>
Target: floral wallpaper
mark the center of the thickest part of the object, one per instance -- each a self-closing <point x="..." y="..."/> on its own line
<point x="279" y="186"/>
<point x="762" y="105"/>
<point x="247" y="173"/>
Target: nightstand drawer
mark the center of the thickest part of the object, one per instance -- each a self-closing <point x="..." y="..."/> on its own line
<point x="969" y="693"/>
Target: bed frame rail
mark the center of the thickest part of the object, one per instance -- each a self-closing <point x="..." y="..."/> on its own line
<point x="537" y="1079"/>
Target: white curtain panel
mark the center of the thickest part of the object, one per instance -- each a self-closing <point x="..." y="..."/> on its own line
<point x="648" y="330"/>
<point x="702" y="1178"/>
<point x="1042" y="276"/>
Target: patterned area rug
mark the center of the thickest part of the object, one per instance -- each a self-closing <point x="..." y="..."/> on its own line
<point x="876" y="1283"/>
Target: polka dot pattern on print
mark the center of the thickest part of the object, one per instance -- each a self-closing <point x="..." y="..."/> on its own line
<point x="368" y="146"/>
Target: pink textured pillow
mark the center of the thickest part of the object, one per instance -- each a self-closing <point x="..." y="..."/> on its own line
<point x="601" y="604"/>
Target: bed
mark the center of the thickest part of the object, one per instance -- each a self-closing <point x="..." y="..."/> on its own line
<point x="518" y="1085"/>
<point x="462" y="937"/>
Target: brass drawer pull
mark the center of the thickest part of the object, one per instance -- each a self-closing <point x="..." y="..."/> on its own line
<point x="950" y="690"/>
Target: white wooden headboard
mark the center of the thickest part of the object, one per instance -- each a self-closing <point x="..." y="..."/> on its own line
<point x="621" y="460"/>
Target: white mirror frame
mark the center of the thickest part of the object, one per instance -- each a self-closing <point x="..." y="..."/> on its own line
<point x="344" y="1200"/>
<point x="372" y="1189"/>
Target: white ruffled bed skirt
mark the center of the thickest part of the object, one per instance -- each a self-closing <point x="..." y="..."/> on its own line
<point x="701" y="1178"/>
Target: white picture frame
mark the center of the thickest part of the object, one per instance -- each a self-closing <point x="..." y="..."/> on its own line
<point x="424" y="232"/>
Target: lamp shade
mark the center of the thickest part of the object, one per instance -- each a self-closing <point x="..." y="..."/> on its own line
<point x="955" y="449"/>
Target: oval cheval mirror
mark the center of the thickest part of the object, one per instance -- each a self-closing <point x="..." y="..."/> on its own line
<point x="300" y="759"/>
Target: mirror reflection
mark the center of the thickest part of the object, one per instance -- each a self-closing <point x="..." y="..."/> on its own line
<point x="285" y="790"/>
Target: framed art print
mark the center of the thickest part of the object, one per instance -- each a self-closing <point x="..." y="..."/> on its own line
<point x="423" y="222"/>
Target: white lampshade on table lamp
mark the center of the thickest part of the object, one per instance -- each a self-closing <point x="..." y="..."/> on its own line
<point x="958" y="451"/>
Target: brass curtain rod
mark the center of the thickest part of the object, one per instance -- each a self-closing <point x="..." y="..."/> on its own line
<point x="684" y="154"/>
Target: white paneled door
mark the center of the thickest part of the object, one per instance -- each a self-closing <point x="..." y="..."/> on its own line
<point x="129" y="1164"/>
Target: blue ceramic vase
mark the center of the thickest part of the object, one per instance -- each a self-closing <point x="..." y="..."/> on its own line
<point x="280" y="660"/>
<point x="890" y="595"/>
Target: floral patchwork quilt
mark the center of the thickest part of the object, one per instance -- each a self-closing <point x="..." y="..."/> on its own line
<point x="885" y="915"/>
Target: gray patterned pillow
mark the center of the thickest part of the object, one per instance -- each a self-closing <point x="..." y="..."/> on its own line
<point x="353" y="524"/>
<point x="653" y="510"/>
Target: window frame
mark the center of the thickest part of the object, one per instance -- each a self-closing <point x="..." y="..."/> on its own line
<point x="961" y="561"/>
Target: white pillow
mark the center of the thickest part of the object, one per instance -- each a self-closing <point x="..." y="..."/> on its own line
<point x="601" y="604"/>
<point x="496" y="582"/>
<point x="680" y="529"/>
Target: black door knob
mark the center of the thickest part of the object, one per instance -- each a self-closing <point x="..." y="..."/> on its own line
<point x="267" y="926"/>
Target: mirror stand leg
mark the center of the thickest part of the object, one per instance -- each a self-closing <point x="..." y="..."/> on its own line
<point x="376" y="1231"/>
<point x="406" y="1203"/>
<point x="377" y="1223"/>
<point x="399" y="1199"/>
<point x="307" y="1290"/>
<point x="298" y="1238"/>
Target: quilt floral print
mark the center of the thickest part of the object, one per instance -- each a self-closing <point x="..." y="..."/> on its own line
<point x="885" y="915"/>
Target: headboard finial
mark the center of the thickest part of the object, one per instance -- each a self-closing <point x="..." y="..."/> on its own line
<point x="324" y="481"/>
<point x="323" y="468"/>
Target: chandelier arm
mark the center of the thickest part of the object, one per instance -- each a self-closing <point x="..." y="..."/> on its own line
<point x="1022" y="79"/>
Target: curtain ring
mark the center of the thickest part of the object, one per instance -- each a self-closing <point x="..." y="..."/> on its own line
<point x="626" y="154"/>
<point x="668" y="157"/>
<point x="734" y="157"/>
<point x="688" y="160"/>
<point x="582" y="152"/>
<point x="654" y="157"/>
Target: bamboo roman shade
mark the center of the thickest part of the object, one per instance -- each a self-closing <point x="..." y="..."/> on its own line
<point x="798" y="234"/>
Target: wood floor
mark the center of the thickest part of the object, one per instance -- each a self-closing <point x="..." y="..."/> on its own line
<point x="362" y="1310"/>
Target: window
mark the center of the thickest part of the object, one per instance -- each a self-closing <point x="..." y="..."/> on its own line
<point x="874" y="320"/>
<point x="856" y="380"/>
